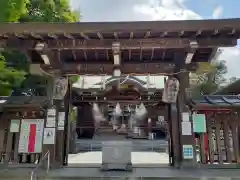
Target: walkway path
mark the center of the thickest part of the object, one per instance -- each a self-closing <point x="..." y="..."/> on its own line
<point x="137" y="158"/>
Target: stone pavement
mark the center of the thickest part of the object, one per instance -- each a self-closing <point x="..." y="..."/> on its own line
<point x="137" y="158"/>
<point x="167" y="173"/>
<point x="147" y="173"/>
<point x="87" y="166"/>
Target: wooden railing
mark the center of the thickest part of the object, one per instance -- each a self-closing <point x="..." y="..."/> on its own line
<point x="34" y="173"/>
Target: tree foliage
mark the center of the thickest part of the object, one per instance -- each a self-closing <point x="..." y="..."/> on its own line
<point x="14" y="65"/>
<point x="49" y="11"/>
<point x="12" y="10"/>
<point x="10" y="78"/>
<point x="210" y="82"/>
<point x="232" y="80"/>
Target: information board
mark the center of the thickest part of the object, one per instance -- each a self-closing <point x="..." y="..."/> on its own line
<point x="199" y="123"/>
<point x="188" y="152"/>
<point x="31" y="136"/>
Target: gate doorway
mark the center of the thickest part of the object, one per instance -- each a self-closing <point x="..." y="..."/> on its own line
<point x="147" y="135"/>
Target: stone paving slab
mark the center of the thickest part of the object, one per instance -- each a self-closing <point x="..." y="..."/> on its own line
<point x="137" y="158"/>
<point x="167" y="173"/>
<point x="147" y="173"/>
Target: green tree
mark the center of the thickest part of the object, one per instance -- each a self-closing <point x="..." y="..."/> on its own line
<point x="12" y="65"/>
<point x="232" y="79"/>
<point x="12" y="10"/>
<point x="49" y="11"/>
<point x="210" y="82"/>
<point x="29" y="11"/>
<point x="10" y="78"/>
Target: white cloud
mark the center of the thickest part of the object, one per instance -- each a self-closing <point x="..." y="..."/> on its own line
<point x="217" y="12"/>
<point x="166" y="10"/>
<point x="232" y="58"/>
<point x="175" y="10"/>
<point x="142" y="10"/>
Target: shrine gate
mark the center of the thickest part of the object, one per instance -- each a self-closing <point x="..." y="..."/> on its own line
<point x="169" y="48"/>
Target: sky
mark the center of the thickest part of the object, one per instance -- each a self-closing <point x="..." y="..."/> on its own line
<point x="149" y="10"/>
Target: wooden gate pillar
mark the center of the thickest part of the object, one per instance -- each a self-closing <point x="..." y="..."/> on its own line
<point x="187" y="139"/>
<point x="51" y="148"/>
<point x="174" y="143"/>
<point x="54" y="127"/>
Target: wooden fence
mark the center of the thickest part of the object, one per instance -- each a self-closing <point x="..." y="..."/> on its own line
<point x="9" y="149"/>
<point x="220" y="145"/>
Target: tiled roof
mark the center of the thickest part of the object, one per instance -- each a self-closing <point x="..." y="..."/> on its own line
<point x="217" y="100"/>
<point x="213" y="101"/>
<point x="233" y="88"/>
<point x="23" y="100"/>
<point x="94" y="82"/>
<point x="109" y="80"/>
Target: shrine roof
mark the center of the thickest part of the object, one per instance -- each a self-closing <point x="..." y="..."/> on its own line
<point x="146" y="47"/>
<point x="231" y="89"/>
<point x="214" y="101"/>
<point x="122" y="79"/>
<point x="23" y="101"/>
<point x="106" y="30"/>
<point x="93" y="83"/>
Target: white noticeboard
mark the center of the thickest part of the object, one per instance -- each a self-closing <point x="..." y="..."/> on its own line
<point x="51" y="118"/>
<point x="23" y="146"/>
<point x="49" y="136"/>
<point x="186" y="128"/>
<point x="185" y="116"/>
<point x="61" y="120"/>
<point x="15" y="125"/>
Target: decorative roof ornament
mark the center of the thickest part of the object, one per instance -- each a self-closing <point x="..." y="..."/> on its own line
<point x="171" y="89"/>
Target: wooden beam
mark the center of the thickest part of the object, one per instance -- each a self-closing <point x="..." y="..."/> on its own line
<point x="107" y="69"/>
<point x="99" y="35"/>
<point x="125" y="44"/>
<point x="73" y="52"/>
<point x="152" y="54"/>
<point x="119" y="101"/>
<point x="161" y="26"/>
<point x="84" y="35"/>
<point x="129" y="54"/>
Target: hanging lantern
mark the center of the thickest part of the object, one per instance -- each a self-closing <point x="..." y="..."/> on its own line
<point x="128" y="108"/>
<point x="141" y="112"/>
<point x="97" y="114"/>
<point x="170" y="92"/>
<point x="136" y="109"/>
<point x="149" y="120"/>
<point x="118" y="111"/>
